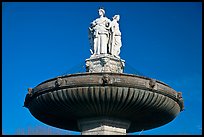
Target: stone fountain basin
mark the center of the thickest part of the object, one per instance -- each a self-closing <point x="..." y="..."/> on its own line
<point x="63" y="100"/>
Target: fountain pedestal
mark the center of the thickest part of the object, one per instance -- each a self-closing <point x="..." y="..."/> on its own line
<point x="103" y="126"/>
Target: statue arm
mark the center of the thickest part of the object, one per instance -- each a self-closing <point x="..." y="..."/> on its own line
<point x="93" y="24"/>
<point x="90" y="30"/>
<point x="108" y="24"/>
<point x="112" y="27"/>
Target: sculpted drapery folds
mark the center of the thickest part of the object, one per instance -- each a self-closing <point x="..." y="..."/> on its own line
<point x="115" y="42"/>
<point x="104" y="35"/>
<point x="99" y="33"/>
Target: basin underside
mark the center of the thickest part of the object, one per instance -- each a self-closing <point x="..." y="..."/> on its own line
<point x="62" y="101"/>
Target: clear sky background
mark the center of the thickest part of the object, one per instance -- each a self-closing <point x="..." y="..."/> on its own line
<point x="44" y="40"/>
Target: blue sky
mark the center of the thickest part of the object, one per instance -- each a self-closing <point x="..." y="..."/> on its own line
<point x="161" y="40"/>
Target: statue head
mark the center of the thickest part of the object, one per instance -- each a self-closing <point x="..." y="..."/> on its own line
<point x="116" y="17"/>
<point x="101" y="11"/>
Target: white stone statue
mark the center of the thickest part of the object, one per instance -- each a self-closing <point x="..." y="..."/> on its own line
<point x="105" y="41"/>
<point x="99" y="34"/>
<point x="115" y="37"/>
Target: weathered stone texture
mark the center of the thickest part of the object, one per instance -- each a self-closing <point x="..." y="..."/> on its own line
<point x="104" y="63"/>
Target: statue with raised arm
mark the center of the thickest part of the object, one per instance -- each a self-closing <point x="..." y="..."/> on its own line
<point x="115" y="38"/>
<point x="99" y="34"/>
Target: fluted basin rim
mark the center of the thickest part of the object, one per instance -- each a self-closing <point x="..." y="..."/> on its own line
<point x="100" y="73"/>
<point x="82" y="95"/>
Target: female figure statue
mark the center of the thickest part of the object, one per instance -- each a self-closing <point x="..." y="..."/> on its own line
<point x="99" y="33"/>
<point x="115" y="43"/>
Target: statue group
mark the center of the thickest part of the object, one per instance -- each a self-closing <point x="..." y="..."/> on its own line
<point x="104" y="35"/>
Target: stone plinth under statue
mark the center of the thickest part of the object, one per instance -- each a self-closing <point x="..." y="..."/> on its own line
<point x="104" y="100"/>
<point x="104" y="63"/>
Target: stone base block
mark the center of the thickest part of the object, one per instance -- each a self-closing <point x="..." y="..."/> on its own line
<point x="103" y="126"/>
<point x="104" y="63"/>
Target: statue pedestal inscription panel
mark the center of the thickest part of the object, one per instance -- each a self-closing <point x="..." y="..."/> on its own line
<point x="104" y="63"/>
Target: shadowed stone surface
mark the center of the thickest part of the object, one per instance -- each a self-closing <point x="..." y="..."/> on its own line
<point x="64" y="100"/>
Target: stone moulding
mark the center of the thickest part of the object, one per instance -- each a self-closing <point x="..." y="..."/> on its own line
<point x="61" y="101"/>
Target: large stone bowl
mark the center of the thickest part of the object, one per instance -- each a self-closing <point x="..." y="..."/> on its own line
<point x="145" y="102"/>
